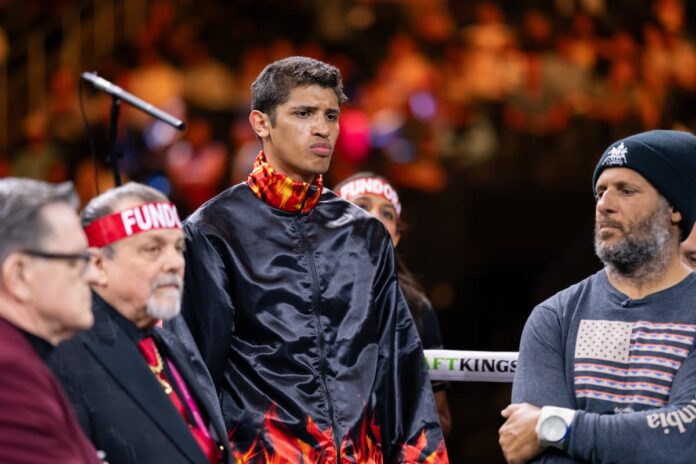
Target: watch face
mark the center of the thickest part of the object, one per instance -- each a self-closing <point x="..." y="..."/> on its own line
<point x="553" y="429"/>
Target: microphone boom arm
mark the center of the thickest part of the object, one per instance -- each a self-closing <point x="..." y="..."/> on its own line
<point x="118" y="92"/>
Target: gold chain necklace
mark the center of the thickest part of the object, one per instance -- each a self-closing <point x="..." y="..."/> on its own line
<point x="157" y="370"/>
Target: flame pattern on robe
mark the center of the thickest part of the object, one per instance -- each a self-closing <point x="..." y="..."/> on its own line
<point x="281" y="446"/>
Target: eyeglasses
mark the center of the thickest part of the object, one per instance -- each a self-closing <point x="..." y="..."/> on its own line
<point x="85" y="257"/>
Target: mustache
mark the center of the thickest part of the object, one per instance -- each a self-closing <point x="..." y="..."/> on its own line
<point x="604" y="222"/>
<point x="168" y="280"/>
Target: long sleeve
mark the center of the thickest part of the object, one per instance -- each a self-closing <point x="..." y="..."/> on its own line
<point x="539" y="378"/>
<point x="207" y="302"/>
<point x="408" y="397"/>
<point x="37" y="422"/>
<point x="610" y="431"/>
<point x="34" y="424"/>
<point x="667" y="434"/>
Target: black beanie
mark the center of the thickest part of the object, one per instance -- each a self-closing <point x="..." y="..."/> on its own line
<point x="667" y="159"/>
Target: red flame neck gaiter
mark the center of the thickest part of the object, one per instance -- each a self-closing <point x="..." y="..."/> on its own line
<point x="280" y="191"/>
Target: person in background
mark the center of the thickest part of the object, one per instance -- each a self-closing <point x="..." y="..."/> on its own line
<point x="45" y="273"/>
<point x="375" y="195"/>
<point x="607" y="367"/>
<point x="139" y="394"/>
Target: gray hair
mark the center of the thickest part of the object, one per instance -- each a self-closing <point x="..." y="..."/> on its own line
<point x="106" y="203"/>
<point x="21" y="201"/>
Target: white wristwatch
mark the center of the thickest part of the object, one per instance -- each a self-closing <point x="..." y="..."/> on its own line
<point x="553" y="426"/>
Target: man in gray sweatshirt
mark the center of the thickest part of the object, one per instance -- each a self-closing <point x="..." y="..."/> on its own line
<point x="607" y="367"/>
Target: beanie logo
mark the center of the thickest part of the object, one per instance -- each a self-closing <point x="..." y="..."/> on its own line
<point x="617" y="156"/>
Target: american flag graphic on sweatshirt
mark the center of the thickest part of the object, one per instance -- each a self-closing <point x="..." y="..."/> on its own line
<point x="629" y="362"/>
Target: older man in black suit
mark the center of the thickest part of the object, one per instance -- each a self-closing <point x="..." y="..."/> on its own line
<point x="138" y="393"/>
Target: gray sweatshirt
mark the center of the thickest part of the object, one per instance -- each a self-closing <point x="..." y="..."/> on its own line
<point x="627" y="366"/>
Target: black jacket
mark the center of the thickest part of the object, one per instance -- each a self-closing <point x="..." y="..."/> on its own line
<point x="119" y="403"/>
<point x="306" y="334"/>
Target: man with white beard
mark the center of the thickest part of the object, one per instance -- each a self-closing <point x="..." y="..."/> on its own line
<point x="607" y="367"/>
<point x="140" y="396"/>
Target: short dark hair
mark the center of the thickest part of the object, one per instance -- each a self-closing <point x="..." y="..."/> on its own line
<point x="21" y="201"/>
<point x="273" y="85"/>
<point x="105" y="204"/>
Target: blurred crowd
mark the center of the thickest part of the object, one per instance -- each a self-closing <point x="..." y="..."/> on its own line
<point x="487" y="91"/>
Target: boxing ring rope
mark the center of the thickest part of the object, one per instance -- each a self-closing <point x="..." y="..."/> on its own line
<point x="471" y="366"/>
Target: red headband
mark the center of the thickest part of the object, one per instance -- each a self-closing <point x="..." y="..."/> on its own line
<point x="372" y="185"/>
<point x="149" y="216"/>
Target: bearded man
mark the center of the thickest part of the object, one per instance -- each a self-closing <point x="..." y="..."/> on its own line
<point x="607" y="369"/>
<point x="139" y="395"/>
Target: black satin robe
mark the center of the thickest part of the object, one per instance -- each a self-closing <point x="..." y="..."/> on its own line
<point x="305" y="331"/>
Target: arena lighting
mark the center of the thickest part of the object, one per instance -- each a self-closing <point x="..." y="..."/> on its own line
<point x="471" y="366"/>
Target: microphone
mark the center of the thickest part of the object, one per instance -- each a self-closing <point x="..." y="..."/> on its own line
<point x="118" y="92"/>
